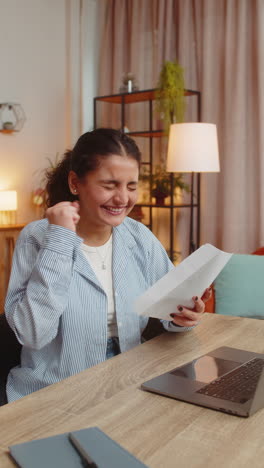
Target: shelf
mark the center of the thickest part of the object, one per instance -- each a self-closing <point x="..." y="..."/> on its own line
<point x="147" y="134"/>
<point x="137" y="96"/>
<point x="148" y="96"/>
<point x="12" y="116"/>
<point x="7" y="131"/>
<point x="11" y="227"/>
<point x="155" y="205"/>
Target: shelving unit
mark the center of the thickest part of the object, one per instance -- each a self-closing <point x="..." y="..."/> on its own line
<point x="15" y="114"/>
<point x="150" y="133"/>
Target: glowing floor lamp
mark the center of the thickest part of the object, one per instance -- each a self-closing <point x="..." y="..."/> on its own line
<point x="193" y="147"/>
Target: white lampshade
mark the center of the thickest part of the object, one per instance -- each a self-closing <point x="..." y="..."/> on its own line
<point x="193" y="147"/>
<point x="8" y="200"/>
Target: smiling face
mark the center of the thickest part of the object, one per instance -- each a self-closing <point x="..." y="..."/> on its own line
<point x="108" y="193"/>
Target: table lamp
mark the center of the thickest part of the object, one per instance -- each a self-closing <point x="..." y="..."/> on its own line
<point x="8" y="206"/>
<point x="193" y="147"/>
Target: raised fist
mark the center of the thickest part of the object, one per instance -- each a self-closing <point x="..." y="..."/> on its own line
<point x="64" y="214"/>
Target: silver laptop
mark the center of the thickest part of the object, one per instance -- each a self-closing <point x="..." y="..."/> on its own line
<point x="226" y="379"/>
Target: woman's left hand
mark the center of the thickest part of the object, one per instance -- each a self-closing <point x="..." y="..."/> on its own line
<point x="190" y="317"/>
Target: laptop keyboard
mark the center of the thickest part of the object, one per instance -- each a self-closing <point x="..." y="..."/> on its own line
<point x="238" y="385"/>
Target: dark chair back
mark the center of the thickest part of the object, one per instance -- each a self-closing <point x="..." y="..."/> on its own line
<point x="10" y="350"/>
<point x="154" y="328"/>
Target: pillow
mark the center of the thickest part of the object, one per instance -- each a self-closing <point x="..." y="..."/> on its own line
<point x="239" y="288"/>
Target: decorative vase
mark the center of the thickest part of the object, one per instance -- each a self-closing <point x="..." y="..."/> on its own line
<point x="129" y="84"/>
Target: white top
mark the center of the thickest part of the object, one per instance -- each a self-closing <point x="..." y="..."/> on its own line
<point x="100" y="259"/>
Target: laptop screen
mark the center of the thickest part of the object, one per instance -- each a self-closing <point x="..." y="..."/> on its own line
<point x="205" y="369"/>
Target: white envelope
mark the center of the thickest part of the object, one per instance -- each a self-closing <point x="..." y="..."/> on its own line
<point x="190" y="278"/>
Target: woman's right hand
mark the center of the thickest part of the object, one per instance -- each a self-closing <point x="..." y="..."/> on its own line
<point x="64" y="214"/>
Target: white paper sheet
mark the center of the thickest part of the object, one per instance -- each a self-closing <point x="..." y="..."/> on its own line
<point x="190" y="278"/>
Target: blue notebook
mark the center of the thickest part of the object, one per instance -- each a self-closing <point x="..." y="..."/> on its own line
<point x="58" y="452"/>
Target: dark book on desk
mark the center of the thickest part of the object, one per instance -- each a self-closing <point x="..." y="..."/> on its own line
<point x="59" y="452"/>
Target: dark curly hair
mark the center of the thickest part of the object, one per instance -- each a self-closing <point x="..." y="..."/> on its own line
<point x="85" y="157"/>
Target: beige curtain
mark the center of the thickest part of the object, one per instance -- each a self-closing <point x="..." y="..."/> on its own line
<point x="220" y="43"/>
<point x="230" y="71"/>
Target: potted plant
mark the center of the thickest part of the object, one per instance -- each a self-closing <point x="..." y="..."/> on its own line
<point x="161" y="183"/>
<point x="8" y="126"/>
<point x="170" y="101"/>
<point x="170" y="104"/>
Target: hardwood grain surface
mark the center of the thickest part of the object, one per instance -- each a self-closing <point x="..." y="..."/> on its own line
<point x="160" y="431"/>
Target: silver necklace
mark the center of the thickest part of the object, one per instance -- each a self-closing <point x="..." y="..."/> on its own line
<point x="103" y="258"/>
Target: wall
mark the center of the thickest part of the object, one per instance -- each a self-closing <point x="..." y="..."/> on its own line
<point x="33" y="73"/>
<point x="49" y="64"/>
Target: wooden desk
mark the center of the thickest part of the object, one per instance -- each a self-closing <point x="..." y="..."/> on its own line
<point x="8" y="237"/>
<point x="162" y="432"/>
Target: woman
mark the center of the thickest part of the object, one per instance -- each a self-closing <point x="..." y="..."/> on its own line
<point x="76" y="273"/>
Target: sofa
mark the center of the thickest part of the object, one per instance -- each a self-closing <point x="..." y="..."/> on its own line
<point x="239" y="288"/>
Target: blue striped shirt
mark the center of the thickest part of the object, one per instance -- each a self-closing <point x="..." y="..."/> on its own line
<point x="58" y="309"/>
